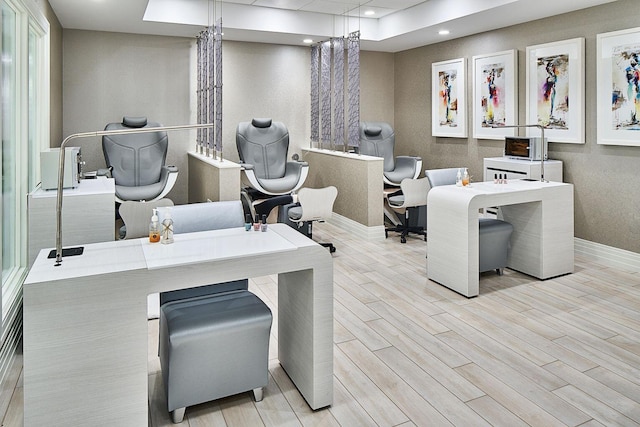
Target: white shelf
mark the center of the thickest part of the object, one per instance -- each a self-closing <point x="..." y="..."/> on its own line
<point x="522" y="169"/>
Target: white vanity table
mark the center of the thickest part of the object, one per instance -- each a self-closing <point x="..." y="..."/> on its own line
<point x="541" y="244"/>
<point x="85" y="322"/>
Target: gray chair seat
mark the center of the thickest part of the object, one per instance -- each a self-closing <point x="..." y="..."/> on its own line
<point x="396" y="200"/>
<point x="493" y="244"/>
<point x="213" y="346"/>
<point x="295" y="213"/>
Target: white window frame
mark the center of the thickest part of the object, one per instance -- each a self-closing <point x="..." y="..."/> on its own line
<point x="28" y="18"/>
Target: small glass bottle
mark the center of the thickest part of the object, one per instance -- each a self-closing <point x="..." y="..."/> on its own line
<point x="256" y="224"/>
<point x="459" y="179"/>
<point x="167" y="229"/>
<point x="154" y="228"/>
<point x="247" y="222"/>
<point x="465" y="177"/>
<point x="263" y="226"/>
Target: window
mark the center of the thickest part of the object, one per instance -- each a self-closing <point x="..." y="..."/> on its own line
<point x="24" y="129"/>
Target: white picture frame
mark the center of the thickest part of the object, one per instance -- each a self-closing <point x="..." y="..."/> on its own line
<point x="555" y="90"/>
<point x="448" y="98"/>
<point x="618" y="93"/>
<point x="495" y="94"/>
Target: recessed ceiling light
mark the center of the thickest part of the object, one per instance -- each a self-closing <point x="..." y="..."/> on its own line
<point x="369" y="12"/>
<point x="307" y="41"/>
<point x="443" y="32"/>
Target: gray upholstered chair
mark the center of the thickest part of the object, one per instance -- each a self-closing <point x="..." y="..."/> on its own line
<point x="494" y="234"/>
<point x="407" y="204"/>
<point x="314" y="204"/>
<point x="137" y="161"/>
<point x="214" y="340"/>
<point x="262" y="147"/>
<point x="378" y="139"/>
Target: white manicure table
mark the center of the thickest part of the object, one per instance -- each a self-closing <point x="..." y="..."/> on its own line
<point x="85" y="322"/>
<point x="542" y="243"/>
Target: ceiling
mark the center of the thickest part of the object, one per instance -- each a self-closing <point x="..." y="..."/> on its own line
<point x="396" y="24"/>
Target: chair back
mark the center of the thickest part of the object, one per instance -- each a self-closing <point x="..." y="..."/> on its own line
<point x="438" y="177"/>
<point x="414" y="192"/>
<point x="205" y="216"/>
<point x="263" y="144"/>
<point x="378" y="139"/>
<point x="135" y="160"/>
<point x="317" y="203"/>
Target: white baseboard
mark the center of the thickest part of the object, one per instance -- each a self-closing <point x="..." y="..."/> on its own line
<point x="368" y="233"/>
<point x="607" y="255"/>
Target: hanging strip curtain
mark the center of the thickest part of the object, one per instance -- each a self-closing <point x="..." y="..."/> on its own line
<point x="353" y="88"/>
<point x="338" y="91"/>
<point x="328" y="97"/>
<point x="218" y="86"/>
<point x="209" y="91"/>
<point x="315" y="94"/>
<point x="325" y="93"/>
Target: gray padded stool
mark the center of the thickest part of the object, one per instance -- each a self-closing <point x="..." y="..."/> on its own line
<point x="494" y="236"/>
<point x="213" y="346"/>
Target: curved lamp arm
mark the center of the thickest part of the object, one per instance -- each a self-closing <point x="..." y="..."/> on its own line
<point x="539" y="126"/>
<point x="92" y="134"/>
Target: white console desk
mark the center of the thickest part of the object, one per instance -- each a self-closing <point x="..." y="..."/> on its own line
<point x="541" y="244"/>
<point x="85" y="322"/>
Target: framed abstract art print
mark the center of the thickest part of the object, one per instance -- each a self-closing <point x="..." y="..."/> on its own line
<point x="555" y="90"/>
<point x="495" y="94"/>
<point x="448" y="106"/>
<point x="618" y="77"/>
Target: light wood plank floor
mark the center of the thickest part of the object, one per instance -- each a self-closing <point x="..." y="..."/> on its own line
<point x="409" y="352"/>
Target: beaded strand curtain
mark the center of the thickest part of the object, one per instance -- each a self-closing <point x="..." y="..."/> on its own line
<point x="328" y="97"/>
<point x="209" y="90"/>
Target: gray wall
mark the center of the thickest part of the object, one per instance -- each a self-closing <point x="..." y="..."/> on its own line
<point x="607" y="200"/>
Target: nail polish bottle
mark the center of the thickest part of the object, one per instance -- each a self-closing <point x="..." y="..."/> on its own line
<point x="263" y="226"/>
<point x="256" y="223"/>
<point x="247" y="222"/>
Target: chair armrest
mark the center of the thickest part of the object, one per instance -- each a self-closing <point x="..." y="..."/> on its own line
<point x="247" y="166"/>
<point x="299" y="168"/>
<point x="104" y="172"/>
<point x="168" y="175"/>
<point x="413" y="163"/>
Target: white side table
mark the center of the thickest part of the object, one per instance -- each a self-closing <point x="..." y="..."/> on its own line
<point x="88" y="215"/>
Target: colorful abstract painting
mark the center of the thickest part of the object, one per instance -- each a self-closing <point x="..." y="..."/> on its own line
<point x="625" y="93"/>
<point x="555" y="90"/>
<point x="618" y="77"/>
<point x="448" y="98"/>
<point x="492" y="98"/>
<point x="494" y="94"/>
<point x="552" y="74"/>
<point x="448" y="106"/>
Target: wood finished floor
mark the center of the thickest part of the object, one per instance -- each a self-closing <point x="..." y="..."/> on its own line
<point x="407" y="351"/>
